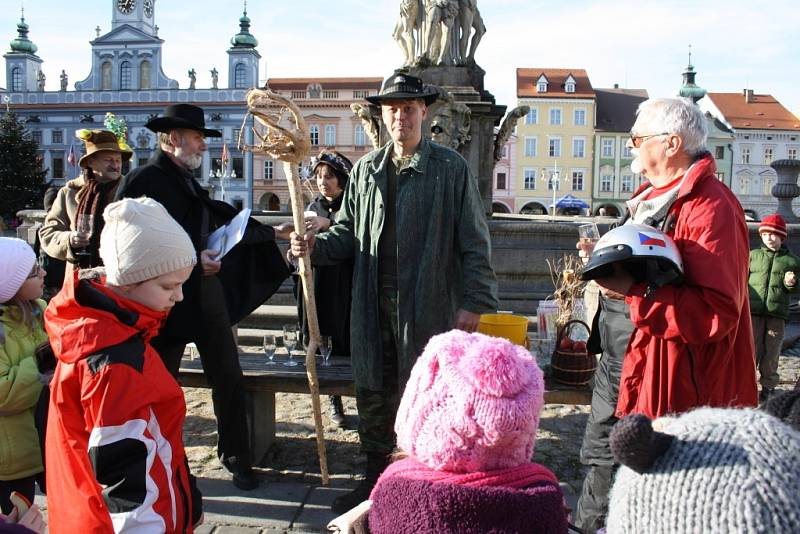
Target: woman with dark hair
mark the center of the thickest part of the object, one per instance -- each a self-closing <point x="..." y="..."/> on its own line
<point x="332" y="283"/>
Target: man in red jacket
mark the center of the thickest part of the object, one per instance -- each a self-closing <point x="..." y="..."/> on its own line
<point x="692" y="344"/>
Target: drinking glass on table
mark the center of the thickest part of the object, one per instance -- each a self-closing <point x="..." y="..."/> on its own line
<point x="588" y="235"/>
<point x="325" y="348"/>
<point x="269" y="348"/>
<point x="290" y="341"/>
<point x="84" y="225"/>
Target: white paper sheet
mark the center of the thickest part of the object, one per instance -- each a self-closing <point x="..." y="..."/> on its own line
<point x="226" y="237"/>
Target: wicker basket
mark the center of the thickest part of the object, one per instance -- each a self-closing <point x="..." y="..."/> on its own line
<point x="572" y="368"/>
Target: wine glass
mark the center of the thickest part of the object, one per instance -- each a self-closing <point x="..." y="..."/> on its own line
<point x="588" y="235"/>
<point x="290" y="341"/>
<point x="325" y="348"/>
<point x="84" y="225"/>
<point x="269" y="348"/>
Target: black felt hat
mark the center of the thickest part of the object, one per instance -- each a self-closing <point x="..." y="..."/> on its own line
<point x="402" y="86"/>
<point x="182" y="116"/>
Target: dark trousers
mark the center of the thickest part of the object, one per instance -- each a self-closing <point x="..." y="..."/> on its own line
<point x="23" y="485"/>
<point x="377" y="409"/>
<point x="219" y="356"/>
<point x="615" y="330"/>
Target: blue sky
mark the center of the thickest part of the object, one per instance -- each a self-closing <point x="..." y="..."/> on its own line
<point x="637" y="44"/>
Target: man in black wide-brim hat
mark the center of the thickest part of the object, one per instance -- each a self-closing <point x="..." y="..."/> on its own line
<point x="218" y="293"/>
<point x="413" y="223"/>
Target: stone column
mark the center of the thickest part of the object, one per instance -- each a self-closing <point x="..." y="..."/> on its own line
<point x="786" y="188"/>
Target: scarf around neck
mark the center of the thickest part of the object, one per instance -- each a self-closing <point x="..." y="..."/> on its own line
<point x="92" y="200"/>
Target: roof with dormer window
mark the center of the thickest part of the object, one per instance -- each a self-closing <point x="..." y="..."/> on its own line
<point x="556" y="79"/>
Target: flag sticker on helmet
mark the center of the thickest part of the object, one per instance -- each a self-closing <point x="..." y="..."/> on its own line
<point x="645" y="239"/>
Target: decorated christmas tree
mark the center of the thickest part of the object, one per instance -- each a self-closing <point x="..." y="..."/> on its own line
<point x="21" y="176"/>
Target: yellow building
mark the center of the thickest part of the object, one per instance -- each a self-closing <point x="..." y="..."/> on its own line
<point x="555" y="138"/>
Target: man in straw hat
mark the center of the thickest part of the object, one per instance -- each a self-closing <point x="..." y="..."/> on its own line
<point x="88" y="194"/>
<point x="218" y="293"/>
<point x="412" y="221"/>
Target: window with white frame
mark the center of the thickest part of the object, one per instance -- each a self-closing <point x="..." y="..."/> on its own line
<point x="125" y="75"/>
<point x="555" y="116"/>
<point x="607" y="147"/>
<point x="360" y="94"/>
<point x="744" y="185"/>
<point x="791" y="153"/>
<point x="554" y="148"/>
<point x="541" y="87"/>
<point x="330" y="134"/>
<point x="606" y="183"/>
<point x="577" y="180"/>
<point x="314" y="133"/>
<point x="769" y="153"/>
<point x="626" y="152"/>
<point x="745" y="155"/>
<point x="360" y="135"/>
<point x="579" y="116"/>
<point x="240" y="76"/>
<point x="530" y="147"/>
<point x="529" y="179"/>
<point x="578" y="147"/>
<point x="16" y="79"/>
<point x="268" y="169"/>
<point x="626" y="183"/>
<point x="58" y="137"/>
<point x="569" y="87"/>
<point x="767" y="190"/>
<point x="720" y="176"/>
<point x="532" y="117"/>
<point x="719" y="152"/>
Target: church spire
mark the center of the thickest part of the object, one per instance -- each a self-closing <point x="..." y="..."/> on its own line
<point x="244" y="39"/>
<point x="22" y="44"/>
<point x="690" y="89"/>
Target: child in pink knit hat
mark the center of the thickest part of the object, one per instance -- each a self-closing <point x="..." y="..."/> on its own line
<point x="468" y="421"/>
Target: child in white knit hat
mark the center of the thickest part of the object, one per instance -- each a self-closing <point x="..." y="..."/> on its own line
<point x="111" y="396"/>
<point x="21" y="331"/>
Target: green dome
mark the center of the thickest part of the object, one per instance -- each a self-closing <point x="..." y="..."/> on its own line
<point x="22" y="44"/>
<point x="244" y="39"/>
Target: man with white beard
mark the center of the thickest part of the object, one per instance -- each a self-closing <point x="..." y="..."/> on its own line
<point x="667" y="350"/>
<point x="216" y="294"/>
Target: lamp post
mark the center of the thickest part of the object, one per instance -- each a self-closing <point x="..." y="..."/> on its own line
<point x="552" y="182"/>
<point x="223" y="176"/>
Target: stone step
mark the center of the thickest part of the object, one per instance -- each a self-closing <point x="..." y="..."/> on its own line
<point x="270" y="317"/>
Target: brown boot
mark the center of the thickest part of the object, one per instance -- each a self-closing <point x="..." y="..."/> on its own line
<point x="376" y="463"/>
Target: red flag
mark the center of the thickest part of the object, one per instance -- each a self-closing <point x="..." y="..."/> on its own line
<point x="225" y="155"/>
<point x="71" y="156"/>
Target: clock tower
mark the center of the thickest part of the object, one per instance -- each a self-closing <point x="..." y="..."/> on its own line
<point x="137" y="13"/>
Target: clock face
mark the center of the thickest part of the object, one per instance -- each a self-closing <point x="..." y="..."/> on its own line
<point x="148" y="8"/>
<point x="126" y="6"/>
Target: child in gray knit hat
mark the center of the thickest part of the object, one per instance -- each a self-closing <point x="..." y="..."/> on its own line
<point x="710" y="470"/>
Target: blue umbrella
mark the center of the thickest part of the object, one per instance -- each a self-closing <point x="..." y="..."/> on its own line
<point x="569" y="201"/>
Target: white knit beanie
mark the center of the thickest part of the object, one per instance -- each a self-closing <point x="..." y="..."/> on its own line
<point x="140" y="241"/>
<point x="16" y="262"/>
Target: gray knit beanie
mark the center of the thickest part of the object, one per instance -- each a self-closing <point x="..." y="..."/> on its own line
<point x="718" y="471"/>
<point x="140" y="241"/>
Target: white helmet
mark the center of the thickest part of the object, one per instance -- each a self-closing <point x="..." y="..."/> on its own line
<point x="648" y="254"/>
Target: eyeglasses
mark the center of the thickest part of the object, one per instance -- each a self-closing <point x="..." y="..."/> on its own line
<point x="636" y="140"/>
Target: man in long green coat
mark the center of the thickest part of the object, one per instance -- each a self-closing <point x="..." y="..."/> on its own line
<point x="412" y="220"/>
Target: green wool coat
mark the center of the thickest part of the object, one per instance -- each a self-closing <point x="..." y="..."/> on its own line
<point x="20" y="455"/>
<point x="443" y="251"/>
<point x="768" y="294"/>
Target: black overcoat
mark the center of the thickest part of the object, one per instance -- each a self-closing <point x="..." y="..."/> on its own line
<point x="251" y="272"/>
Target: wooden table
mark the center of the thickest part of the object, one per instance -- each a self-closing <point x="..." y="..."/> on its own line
<point x="262" y="381"/>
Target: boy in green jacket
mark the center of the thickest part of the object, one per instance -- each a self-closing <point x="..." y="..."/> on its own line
<point x="772" y="279"/>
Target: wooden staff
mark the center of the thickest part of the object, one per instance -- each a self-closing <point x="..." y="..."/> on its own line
<point x="291" y="145"/>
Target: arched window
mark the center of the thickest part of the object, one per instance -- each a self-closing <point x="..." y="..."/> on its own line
<point x="125" y="75"/>
<point x="314" y="131"/>
<point x="240" y="76"/>
<point x="330" y="134"/>
<point x="105" y="69"/>
<point x="144" y="75"/>
<point x="16" y="79"/>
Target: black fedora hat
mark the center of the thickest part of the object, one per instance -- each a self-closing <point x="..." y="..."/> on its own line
<point x="402" y="86"/>
<point x="182" y="116"/>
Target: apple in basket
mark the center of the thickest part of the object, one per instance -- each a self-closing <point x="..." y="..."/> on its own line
<point x="566" y="345"/>
<point x="579" y="346"/>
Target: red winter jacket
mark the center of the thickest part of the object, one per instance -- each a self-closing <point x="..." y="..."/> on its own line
<point x="692" y="344"/>
<point x="115" y="458"/>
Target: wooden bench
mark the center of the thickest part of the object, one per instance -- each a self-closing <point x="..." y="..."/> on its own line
<point x="262" y="381"/>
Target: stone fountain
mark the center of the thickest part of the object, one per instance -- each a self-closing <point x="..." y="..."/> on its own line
<point x="786" y="188"/>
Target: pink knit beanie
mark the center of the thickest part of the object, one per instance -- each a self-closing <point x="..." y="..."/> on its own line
<point x="472" y="403"/>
